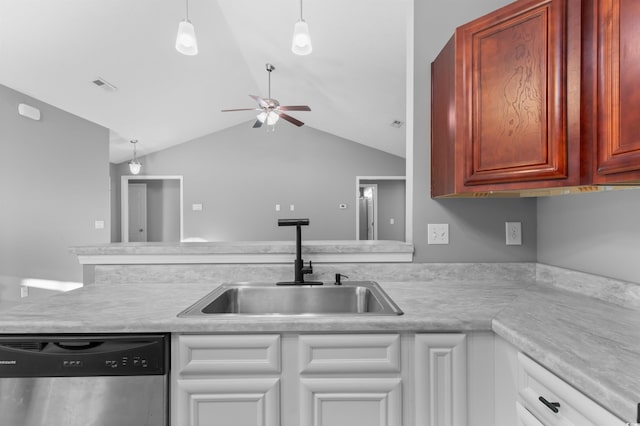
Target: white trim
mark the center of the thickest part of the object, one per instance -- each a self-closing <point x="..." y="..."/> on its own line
<point x="133" y="259"/>
<point x="124" y="201"/>
<point x="409" y="119"/>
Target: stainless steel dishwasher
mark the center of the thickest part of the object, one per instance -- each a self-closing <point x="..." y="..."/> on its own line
<point x="84" y="380"/>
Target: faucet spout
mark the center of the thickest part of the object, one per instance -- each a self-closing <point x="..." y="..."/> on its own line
<point x="299" y="270"/>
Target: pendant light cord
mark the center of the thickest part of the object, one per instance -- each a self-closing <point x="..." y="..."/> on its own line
<point x="187" y="7"/>
<point x="301" y="10"/>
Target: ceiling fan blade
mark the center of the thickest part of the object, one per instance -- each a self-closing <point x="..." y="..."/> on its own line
<point x="260" y="101"/>
<point x="257" y="124"/>
<point x="289" y="118"/>
<point x="294" y="108"/>
<point x="242" y="109"/>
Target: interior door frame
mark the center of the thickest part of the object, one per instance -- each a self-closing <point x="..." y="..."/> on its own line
<point x="124" y="201"/>
<point x="359" y="182"/>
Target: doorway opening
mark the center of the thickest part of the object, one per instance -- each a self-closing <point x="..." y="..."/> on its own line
<point x="381" y="208"/>
<point x="151" y="208"/>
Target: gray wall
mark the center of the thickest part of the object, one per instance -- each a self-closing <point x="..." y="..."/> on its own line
<point x="240" y="174"/>
<point x="598" y="233"/>
<point x="54" y="183"/>
<point x="476" y="226"/>
<point x="163" y="210"/>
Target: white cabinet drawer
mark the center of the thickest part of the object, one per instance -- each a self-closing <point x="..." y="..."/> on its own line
<point x="228" y="354"/>
<point x="525" y="418"/>
<point x="349" y="353"/>
<point x="574" y="408"/>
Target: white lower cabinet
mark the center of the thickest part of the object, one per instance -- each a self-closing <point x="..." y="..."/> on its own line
<point x="527" y="394"/>
<point x="225" y="380"/>
<point x="319" y="380"/>
<point x="350" y="378"/>
<point x="554" y="402"/>
<point x="441" y="380"/>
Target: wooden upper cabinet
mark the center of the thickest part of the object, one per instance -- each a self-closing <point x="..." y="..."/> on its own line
<point x="617" y="134"/>
<point x="506" y="101"/>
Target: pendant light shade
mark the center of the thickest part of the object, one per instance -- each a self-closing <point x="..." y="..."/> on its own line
<point x="186" y="42"/>
<point x="134" y="164"/>
<point x="301" y="44"/>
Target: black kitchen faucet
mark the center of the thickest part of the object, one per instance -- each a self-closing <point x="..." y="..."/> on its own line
<point x="299" y="269"/>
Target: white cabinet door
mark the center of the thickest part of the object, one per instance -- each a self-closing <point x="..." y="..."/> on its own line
<point x="349" y="401"/>
<point x="441" y="380"/>
<point x="225" y="380"/>
<point x="347" y="379"/>
<point x="227" y="402"/>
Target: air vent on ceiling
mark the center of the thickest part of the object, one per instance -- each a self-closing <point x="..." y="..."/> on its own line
<point x="101" y="82"/>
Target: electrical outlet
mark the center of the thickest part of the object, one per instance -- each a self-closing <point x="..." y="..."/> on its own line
<point x="438" y="233"/>
<point x="513" y="232"/>
<point x="196" y="207"/>
<point x="24" y="291"/>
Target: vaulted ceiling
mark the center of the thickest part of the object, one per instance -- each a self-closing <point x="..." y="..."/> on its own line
<point x="354" y="80"/>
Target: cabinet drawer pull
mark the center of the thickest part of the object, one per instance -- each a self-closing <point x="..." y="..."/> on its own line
<point x="553" y="406"/>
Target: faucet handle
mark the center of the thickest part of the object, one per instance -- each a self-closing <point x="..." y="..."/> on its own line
<point x="308" y="270"/>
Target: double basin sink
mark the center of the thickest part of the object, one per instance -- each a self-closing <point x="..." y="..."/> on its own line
<point x="239" y="299"/>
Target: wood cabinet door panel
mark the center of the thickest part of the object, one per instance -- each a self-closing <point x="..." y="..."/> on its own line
<point x="514" y="109"/>
<point x="618" y="102"/>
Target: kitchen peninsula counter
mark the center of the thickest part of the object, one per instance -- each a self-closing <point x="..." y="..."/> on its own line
<point x="590" y="343"/>
<point x="244" y="252"/>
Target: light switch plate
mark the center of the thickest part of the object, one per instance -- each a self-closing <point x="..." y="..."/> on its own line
<point x="196" y="207"/>
<point x="438" y="233"/>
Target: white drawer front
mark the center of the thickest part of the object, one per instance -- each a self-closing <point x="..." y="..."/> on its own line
<point x="348" y="353"/>
<point x="525" y="418"/>
<point x="229" y="354"/>
<point x="574" y="409"/>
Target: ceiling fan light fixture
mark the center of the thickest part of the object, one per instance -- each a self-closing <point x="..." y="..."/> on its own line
<point x="271" y="118"/>
<point x="186" y="42"/>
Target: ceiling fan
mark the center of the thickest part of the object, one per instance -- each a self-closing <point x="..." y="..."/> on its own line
<point x="270" y="109"/>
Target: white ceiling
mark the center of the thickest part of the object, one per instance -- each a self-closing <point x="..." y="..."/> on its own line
<point x="354" y="81"/>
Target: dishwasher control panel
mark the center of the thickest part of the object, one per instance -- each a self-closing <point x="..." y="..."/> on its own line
<point x="83" y="355"/>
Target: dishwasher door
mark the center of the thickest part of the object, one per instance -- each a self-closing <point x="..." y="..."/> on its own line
<point x="84" y="401"/>
<point x="84" y="380"/>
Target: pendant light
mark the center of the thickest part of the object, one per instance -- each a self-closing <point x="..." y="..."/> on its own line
<point x="301" y="44"/>
<point x="134" y="164"/>
<point x="186" y="42"/>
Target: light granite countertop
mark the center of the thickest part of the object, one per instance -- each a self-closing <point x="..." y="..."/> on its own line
<point x="592" y="344"/>
<point x="242" y="247"/>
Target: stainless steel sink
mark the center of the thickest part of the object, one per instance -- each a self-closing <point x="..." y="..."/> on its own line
<point x="351" y="298"/>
